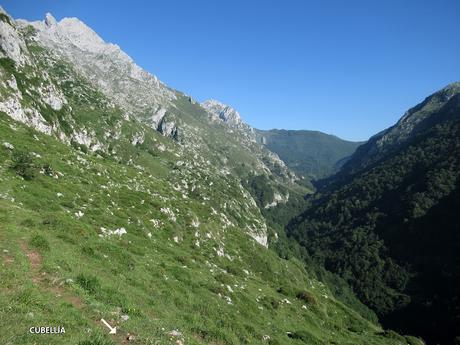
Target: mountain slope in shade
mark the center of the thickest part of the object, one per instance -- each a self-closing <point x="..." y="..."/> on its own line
<point x="309" y="153"/>
<point x="387" y="221"/>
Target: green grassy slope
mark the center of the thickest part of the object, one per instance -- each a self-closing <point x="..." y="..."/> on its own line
<point x="214" y="285"/>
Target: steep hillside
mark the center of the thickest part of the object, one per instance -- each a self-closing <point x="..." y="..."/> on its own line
<point x="415" y="121"/>
<point x="66" y="69"/>
<point x="85" y="238"/>
<point x="309" y="153"/>
<point x="122" y="199"/>
<point x="386" y="222"/>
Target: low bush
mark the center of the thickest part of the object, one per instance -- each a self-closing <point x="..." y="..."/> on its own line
<point x="23" y="165"/>
<point x="270" y="302"/>
<point x="306" y="297"/>
<point x="47" y="169"/>
<point x="305" y="337"/>
<point x="88" y="282"/>
<point x="39" y="242"/>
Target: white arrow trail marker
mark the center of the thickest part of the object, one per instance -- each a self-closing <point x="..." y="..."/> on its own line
<point x="113" y="330"/>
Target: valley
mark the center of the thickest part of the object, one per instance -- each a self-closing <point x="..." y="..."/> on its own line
<point x="173" y="220"/>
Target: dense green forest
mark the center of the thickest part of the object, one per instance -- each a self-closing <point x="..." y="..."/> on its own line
<point x="387" y="222"/>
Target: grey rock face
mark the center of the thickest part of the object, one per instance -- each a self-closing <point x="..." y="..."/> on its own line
<point x="105" y="64"/>
<point x="222" y="111"/>
<point x="12" y="44"/>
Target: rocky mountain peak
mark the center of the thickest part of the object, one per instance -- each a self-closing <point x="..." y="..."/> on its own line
<point x="71" y="30"/>
<point x="222" y="111"/>
<point x="82" y="36"/>
<point x="11" y="43"/>
<point x="104" y="64"/>
<point x="50" y="20"/>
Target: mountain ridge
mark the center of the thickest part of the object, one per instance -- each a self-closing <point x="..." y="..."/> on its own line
<point x="312" y="154"/>
<point x="376" y="222"/>
<point x="410" y="123"/>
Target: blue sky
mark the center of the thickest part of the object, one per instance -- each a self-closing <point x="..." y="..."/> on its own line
<point x="350" y="68"/>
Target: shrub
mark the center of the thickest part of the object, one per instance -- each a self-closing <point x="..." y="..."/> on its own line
<point x="224" y="278"/>
<point x="88" y="250"/>
<point x="8" y="64"/>
<point x="235" y="270"/>
<point x="286" y="290"/>
<point x="39" y="242"/>
<point x="217" y="289"/>
<point x="133" y="311"/>
<point x="89" y="283"/>
<point x="5" y="18"/>
<point x="304" y="336"/>
<point x="415" y="341"/>
<point x="28" y="223"/>
<point x="307" y="297"/>
<point x="393" y="335"/>
<point x="23" y="165"/>
<point x="270" y="302"/>
<point x="48" y="171"/>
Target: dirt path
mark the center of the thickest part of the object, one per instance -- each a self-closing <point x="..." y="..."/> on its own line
<point x="35" y="261"/>
<point x="57" y="289"/>
<point x="38" y="277"/>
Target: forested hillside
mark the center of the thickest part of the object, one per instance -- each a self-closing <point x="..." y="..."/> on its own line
<point x="309" y="153"/>
<point x="387" y="222"/>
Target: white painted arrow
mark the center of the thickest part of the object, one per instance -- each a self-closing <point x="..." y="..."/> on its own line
<point x="113" y="330"/>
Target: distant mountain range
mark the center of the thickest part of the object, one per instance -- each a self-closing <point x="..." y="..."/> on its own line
<point x="311" y="154"/>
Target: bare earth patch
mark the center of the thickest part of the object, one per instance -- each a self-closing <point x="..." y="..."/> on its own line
<point x="7" y="259"/>
<point x="35" y="261"/>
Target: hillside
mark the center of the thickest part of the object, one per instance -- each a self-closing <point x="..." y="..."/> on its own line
<point x="123" y="199"/>
<point x="311" y="154"/>
<point x="386" y="222"/>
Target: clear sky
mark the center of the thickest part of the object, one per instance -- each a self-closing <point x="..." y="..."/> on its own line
<point x="349" y="68"/>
